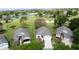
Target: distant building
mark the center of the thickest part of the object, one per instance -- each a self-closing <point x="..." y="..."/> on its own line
<point x="21" y="36"/>
<point x="32" y="14"/>
<point x="65" y="34"/>
<point x="7" y="18"/>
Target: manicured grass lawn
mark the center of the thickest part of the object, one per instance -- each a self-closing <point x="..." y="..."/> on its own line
<point x="31" y="27"/>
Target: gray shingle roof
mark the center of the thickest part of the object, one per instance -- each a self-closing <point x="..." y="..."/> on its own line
<point x="64" y="30"/>
<point x="21" y="32"/>
<point x="2" y="39"/>
<point x="43" y="31"/>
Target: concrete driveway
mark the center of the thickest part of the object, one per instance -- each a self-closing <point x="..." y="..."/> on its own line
<point x="47" y="43"/>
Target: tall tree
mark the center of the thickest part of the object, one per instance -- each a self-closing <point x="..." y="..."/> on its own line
<point x="74" y="24"/>
<point x="23" y="21"/>
<point x="60" y="20"/>
<point x="40" y="14"/>
<point x="76" y="36"/>
<point x="40" y="22"/>
<point x="70" y="12"/>
<point x="75" y="13"/>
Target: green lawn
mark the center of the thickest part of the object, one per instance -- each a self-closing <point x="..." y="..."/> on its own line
<point x="9" y="31"/>
<point x="31" y="27"/>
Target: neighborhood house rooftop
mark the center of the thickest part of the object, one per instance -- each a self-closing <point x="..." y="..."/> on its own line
<point x="64" y="29"/>
<point x="21" y="32"/>
<point x="43" y="31"/>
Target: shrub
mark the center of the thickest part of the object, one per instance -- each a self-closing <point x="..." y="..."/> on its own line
<point x="13" y="26"/>
<point x="22" y="47"/>
<point x="31" y="46"/>
<point x="35" y="46"/>
<point x="61" y="46"/>
<point x="75" y="13"/>
<point x="23" y="20"/>
<point x="75" y="46"/>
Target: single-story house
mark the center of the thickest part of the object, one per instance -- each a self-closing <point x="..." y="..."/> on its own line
<point x="3" y="43"/>
<point x="5" y="17"/>
<point x="65" y="34"/>
<point x="44" y="34"/>
<point x="21" y="36"/>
